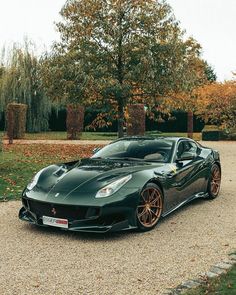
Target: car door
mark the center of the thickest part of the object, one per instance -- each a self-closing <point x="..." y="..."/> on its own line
<point x="187" y="179"/>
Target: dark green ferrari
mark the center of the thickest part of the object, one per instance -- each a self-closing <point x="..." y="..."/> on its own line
<point x="129" y="184"/>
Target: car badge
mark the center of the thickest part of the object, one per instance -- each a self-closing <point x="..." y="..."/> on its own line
<point x="57" y="194"/>
<point x="54" y="212"/>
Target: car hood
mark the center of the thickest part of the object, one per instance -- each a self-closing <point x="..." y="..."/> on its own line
<point x="86" y="176"/>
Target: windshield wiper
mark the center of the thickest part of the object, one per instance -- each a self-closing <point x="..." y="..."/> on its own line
<point x="126" y="159"/>
<point x="156" y="161"/>
<point x="96" y="158"/>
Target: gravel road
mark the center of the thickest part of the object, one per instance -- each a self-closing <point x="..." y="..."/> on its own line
<point x="185" y="244"/>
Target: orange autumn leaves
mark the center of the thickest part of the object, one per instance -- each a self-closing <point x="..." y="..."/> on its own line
<point x="215" y="103"/>
<point x="41" y="153"/>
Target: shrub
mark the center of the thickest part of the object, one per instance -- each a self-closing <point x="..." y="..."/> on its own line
<point x="211" y="132"/>
<point x="229" y="134"/>
<point x="136" y="119"/>
<point x="74" y="121"/>
<point x="16" y="120"/>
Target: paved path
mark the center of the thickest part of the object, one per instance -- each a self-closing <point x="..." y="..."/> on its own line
<point x="44" y="141"/>
<point x="185" y="244"/>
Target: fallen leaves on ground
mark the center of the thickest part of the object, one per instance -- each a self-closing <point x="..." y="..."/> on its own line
<point x="18" y="163"/>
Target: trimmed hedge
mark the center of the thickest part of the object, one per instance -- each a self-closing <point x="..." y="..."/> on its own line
<point x="57" y="122"/>
<point x="74" y="121"/>
<point x="136" y="120"/>
<point x="16" y="120"/>
<point x="211" y="133"/>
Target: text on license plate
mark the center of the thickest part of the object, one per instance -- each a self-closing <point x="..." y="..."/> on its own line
<point x="55" y="221"/>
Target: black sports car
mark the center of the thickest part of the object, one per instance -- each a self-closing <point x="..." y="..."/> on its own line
<point x="130" y="183"/>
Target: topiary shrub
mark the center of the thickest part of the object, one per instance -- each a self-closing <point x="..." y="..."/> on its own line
<point x="135" y="120"/>
<point x="229" y="134"/>
<point x="16" y="120"/>
<point x="211" y="133"/>
<point x="74" y="121"/>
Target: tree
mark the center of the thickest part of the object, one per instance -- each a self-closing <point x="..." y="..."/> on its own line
<point x="21" y="83"/>
<point x="195" y="73"/>
<point x="216" y="104"/>
<point x="2" y="72"/>
<point x="63" y="78"/>
<point x="66" y="86"/>
<point x="122" y="46"/>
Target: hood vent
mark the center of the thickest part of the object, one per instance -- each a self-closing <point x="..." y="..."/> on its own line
<point x="60" y="171"/>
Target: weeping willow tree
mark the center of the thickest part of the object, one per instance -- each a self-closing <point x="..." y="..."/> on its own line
<point x="2" y="71"/>
<point x="21" y="82"/>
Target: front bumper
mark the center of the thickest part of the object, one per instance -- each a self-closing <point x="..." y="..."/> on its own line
<point x="79" y="226"/>
<point x="115" y="216"/>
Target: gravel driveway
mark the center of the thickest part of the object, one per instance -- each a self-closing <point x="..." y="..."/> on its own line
<point x="188" y="242"/>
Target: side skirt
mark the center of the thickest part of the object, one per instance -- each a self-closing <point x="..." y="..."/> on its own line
<point x="197" y="196"/>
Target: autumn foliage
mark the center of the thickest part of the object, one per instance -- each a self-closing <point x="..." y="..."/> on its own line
<point x="216" y="104"/>
<point x="49" y="153"/>
<point x="74" y="121"/>
<point x="135" y="119"/>
<point x="16" y="120"/>
<point x="113" y="46"/>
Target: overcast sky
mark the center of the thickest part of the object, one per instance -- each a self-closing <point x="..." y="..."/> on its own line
<point x="211" y="22"/>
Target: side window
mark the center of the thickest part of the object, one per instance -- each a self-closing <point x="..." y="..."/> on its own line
<point x="186" y="146"/>
<point x="180" y="149"/>
<point x="190" y="147"/>
<point x="193" y="147"/>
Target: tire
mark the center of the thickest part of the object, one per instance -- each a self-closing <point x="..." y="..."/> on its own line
<point x="213" y="187"/>
<point x="149" y="209"/>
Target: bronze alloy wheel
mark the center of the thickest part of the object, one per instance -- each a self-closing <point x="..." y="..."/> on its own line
<point x="214" y="182"/>
<point x="150" y="207"/>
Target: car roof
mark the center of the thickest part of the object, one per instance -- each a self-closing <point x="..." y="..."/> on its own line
<point x="173" y="138"/>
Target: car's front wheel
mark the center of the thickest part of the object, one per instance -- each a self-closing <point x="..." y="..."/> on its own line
<point x="213" y="188"/>
<point x="150" y="207"/>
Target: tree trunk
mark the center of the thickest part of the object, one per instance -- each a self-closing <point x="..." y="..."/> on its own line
<point x="190" y="124"/>
<point x="120" y="120"/>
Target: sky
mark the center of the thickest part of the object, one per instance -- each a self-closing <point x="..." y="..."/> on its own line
<point x="211" y="22"/>
<point x="32" y="18"/>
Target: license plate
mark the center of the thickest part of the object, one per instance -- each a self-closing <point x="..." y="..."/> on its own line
<point x="58" y="222"/>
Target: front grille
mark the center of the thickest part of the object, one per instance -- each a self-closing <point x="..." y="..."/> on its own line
<point x="69" y="212"/>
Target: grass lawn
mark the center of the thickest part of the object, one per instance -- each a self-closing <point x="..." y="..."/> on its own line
<point x="97" y="135"/>
<point x="18" y="163"/>
<point x="223" y="285"/>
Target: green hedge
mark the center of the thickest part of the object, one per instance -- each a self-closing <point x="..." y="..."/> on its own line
<point x="211" y="133"/>
<point x="230" y="135"/>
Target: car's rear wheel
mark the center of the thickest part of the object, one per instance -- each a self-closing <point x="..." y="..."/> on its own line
<point x="150" y="207"/>
<point x="213" y="188"/>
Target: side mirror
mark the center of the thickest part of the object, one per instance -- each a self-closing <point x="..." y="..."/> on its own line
<point x="186" y="156"/>
<point x="96" y="150"/>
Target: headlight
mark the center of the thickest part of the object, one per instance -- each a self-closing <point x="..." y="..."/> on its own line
<point x="34" y="180"/>
<point x="113" y="187"/>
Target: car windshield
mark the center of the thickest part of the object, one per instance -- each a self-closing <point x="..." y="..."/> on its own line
<point x="151" y="150"/>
